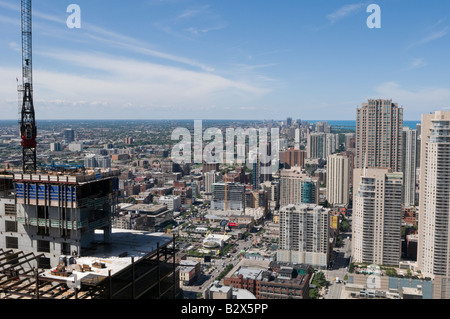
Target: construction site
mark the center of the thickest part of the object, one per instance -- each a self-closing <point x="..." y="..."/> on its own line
<point x="150" y="274"/>
<point x="56" y="235"/>
<point x="57" y="241"/>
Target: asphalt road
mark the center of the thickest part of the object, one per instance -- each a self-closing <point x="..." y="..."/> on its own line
<point x="339" y="269"/>
<point x="205" y="280"/>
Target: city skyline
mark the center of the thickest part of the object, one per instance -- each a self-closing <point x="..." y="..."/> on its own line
<point x="196" y="59"/>
<point x="166" y="150"/>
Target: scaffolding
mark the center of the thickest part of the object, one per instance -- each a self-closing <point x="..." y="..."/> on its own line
<point x="153" y="276"/>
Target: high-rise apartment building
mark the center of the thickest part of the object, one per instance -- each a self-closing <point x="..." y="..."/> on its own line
<point x="209" y="179"/>
<point x="379" y="126"/>
<point x="292" y="157"/>
<point x="409" y="148"/>
<point x="289" y="122"/>
<point x="69" y="135"/>
<point x="433" y="256"/>
<point x="97" y="161"/>
<point x="315" y="145"/>
<point x="338" y="179"/>
<point x="296" y="187"/>
<point x="377" y="212"/>
<point x="320" y="145"/>
<point x="55" y="147"/>
<point x="304" y="235"/>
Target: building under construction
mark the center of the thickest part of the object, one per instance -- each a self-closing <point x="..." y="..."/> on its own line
<point x="57" y="229"/>
<point x="56" y="236"/>
<point x="58" y="214"/>
<point x="143" y="274"/>
<point x="227" y="196"/>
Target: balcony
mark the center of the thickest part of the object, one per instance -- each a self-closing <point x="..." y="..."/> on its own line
<point x="69" y="225"/>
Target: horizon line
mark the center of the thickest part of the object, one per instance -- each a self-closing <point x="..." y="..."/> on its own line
<point x="224" y="119"/>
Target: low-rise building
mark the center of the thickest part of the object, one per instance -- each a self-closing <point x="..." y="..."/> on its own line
<point x="190" y="270"/>
<point x="147" y="217"/>
<point x="268" y="280"/>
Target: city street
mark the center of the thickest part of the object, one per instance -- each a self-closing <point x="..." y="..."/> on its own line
<point x="339" y="268"/>
<point x="206" y="280"/>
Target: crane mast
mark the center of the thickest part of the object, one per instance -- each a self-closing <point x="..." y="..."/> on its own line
<point x="28" y="130"/>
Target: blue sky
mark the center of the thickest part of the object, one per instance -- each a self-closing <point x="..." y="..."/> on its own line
<point x="246" y="59"/>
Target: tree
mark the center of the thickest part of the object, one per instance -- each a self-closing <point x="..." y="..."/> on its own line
<point x="319" y="279"/>
<point x="339" y="241"/>
<point x="351" y="267"/>
<point x="344" y="226"/>
<point x="314" y="293"/>
<point x="391" y="272"/>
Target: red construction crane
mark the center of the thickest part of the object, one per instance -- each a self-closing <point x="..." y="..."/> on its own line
<point x="28" y="130"/>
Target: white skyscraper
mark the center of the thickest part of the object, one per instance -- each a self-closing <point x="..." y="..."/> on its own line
<point x="433" y="255"/>
<point x="338" y="179"/>
<point x="377" y="209"/>
<point x="209" y="179"/>
<point x="304" y="235"/>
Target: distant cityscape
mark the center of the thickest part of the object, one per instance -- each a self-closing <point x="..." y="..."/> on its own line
<point x="339" y="218"/>
<point x="188" y="209"/>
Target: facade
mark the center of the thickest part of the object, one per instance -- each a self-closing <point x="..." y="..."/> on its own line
<point x="68" y="135"/>
<point x="54" y="215"/>
<point x="209" y="179"/>
<point x="304" y="235"/>
<point x="190" y="270"/>
<point x="409" y="153"/>
<point x="144" y="217"/>
<point x="75" y="147"/>
<point x="136" y="265"/>
<point x="297" y="187"/>
<point x="55" y="147"/>
<point x="434" y="213"/>
<point x="379" y="125"/>
<point x="208" y="167"/>
<point x="377" y="216"/>
<point x="284" y="281"/>
<point x="228" y="196"/>
<point x="338" y="179"/>
<point x="292" y="157"/>
<point x="172" y="202"/>
<point x="97" y="161"/>
<point x="273" y="194"/>
<point x="321" y="145"/>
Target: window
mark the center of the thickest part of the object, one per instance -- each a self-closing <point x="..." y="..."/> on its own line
<point x="65" y="249"/>
<point x="10" y="209"/>
<point x="10" y="226"/>
<point x="42" y="212"/>
<point x="43" y="246"/>
<point x="12" y="242"/>
<point x="44" y="263"/>
<point x="43" y="231"/>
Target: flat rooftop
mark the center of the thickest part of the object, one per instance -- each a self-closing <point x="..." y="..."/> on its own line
<point x="147" y="208"/>
<point x="125" y="243"/>
<point x="75" y="178"/>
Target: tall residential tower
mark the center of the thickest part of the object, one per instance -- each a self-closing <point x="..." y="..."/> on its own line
<point x="379" y="127"/>
<point x="433" y="254"/>
<point x="409" y="148"/>
<point x="338" y="179"/>
<point x="377" y="209"/>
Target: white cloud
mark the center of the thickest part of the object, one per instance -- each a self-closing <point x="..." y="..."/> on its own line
<point x="86" y="84"/>
<point x="109" y="83"/>
<point x="416" y="63"/>
<point x="344" y="12"/>
<point x="434" y="36"/>
<point x="418" y="101"/>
